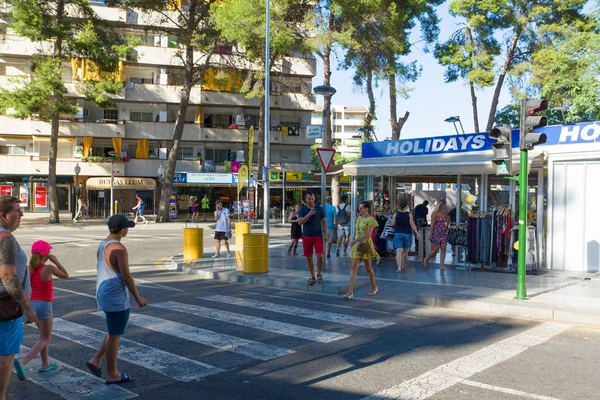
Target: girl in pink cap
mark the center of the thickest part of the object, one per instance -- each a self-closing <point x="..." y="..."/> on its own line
<point x="42" y="296"/>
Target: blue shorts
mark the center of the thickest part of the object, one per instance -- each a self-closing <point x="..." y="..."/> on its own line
<point x="116" y="321"/>
<point x="140" y="211"/>
<point x="403" y="240"/>
<point x="43" y="309"/>
<point x="11" y="336"/>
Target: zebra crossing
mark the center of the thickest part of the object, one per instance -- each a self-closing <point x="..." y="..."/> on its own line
<point x="204" y="348"/>
<point x="92" y="239"/>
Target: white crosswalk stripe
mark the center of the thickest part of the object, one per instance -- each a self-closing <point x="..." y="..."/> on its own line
<point x="301" y="312"/>
<point x="281" y="328"/>
<point x="259" y="351"/>
<point x="165" y="363"/>
<point x="73" y="384"/>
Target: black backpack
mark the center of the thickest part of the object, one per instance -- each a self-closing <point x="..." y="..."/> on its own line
<point x="342" y="215"/>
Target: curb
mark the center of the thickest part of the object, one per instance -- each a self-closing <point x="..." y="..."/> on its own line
<point x="232" y="276"/>
<point x="518" y="309"/>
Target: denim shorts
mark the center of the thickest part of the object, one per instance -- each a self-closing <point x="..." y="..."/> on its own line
<point x="403" y="240"/>
<point x="43" y="309"/>
<point x="11" y="336"/>
<point x="116" y="321"/>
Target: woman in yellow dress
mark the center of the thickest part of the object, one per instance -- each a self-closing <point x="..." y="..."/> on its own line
<point x="365" y="224"/>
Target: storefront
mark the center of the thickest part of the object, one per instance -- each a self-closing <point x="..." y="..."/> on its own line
<point x="124" y="191"/>
<point x="33" y="192"/>
<point x="561" y="184"/>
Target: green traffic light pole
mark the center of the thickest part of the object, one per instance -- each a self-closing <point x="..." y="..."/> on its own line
<point x="523" y="190"/>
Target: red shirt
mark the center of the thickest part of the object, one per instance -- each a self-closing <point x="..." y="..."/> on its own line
<point x="41" y="290"/>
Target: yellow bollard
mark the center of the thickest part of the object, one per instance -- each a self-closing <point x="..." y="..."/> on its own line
<point x="241" y="228"/>
<point x="193" y="243"/>
<point x="256" y="253"/>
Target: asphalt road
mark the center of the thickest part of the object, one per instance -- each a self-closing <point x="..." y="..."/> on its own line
<point x="215" y="340"/>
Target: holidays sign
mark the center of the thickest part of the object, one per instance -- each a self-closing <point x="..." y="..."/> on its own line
<point x="585" y="132"/>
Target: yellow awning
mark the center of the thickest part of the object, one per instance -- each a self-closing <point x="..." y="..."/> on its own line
<point x="47" y="139"/>
<point x="116" y="142"/>
<point x="87" y="145"/>
<point x="142" y="149"/>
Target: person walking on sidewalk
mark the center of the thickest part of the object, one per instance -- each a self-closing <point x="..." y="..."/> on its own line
<point x="439" y="235"/>
<point x="223" y="229"/>
<point x="113" y="286"/>
<point x="404" y="228"/>
<point x="14" y="290"/>
<point x="365" y="224"/>
<point x="296" y="231"/>
<point x="79" y="213"/>
<point x="139" y="209"/>
<point x="205" y="206"/>
<point x="343" y="230"/>
<point x="332" y="223"/>
<point x="42" y="297"/>
<point x="313" y="221"/>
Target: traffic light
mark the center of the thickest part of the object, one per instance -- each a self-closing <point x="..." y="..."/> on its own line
<point x="529" y="122"/>
<point x="502" y="150"/>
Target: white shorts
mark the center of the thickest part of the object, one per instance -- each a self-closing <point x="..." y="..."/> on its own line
<point x="331" y="236"/>
<point x="343" y="231"/>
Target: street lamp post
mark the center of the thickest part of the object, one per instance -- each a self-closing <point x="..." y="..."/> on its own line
<point x="161" y="179"/>
<point x="77" y="170"/>
<point x="267" y="121"/>
<point x="112" y="155"/>
<point x="454" y="120"/>
<point x="326" y="91"/>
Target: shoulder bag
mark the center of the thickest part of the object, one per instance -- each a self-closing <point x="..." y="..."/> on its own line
<point x="9" y="307"/>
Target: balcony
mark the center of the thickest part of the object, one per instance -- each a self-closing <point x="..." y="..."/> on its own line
<point x="13" y="126"/>
<point x="290" y="101"/>
<point x="159" y="93"/>
<point x="20" y="46"/>
<point x="38" y="165"/>
<point x="149" y="167"/>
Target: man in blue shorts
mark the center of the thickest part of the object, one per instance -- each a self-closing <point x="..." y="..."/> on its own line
<point x="113" y="285"/>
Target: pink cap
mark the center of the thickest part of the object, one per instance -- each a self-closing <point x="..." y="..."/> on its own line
<point x="41" y="247"/>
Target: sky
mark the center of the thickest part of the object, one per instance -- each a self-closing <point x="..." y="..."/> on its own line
<point x="430" y="102"/>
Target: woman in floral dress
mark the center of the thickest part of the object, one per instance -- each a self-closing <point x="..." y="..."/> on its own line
<point x="438" y="235"/>
<point x="365" y="224"/>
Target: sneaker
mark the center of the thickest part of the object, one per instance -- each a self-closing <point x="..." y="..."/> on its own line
<point x="215" y="256"/>
<point x="337" y="253"/>
<point x="228" y="254"/>
<point x="146" y="222"/>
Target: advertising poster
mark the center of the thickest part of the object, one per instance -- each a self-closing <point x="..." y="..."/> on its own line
<point x="41" y="198"/>
<point x="24" y="196"/>
<point x="5" y="190"/>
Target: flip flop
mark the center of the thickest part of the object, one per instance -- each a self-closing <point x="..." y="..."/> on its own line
<point x="93" y="369"/>
<point x="20" y="369"/>
<point x="124" y="379"/>
<point x="50" y="367"/>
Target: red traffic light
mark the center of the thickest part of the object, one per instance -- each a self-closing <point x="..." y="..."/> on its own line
<point x="534" y="106"/>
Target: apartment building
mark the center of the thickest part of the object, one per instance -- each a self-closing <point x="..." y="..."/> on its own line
<point x="345" y="122"/>
<point x="139" y="128"/>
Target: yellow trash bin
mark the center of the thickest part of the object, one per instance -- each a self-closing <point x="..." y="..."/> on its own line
<point x="256" y="253"/>
<point x="241" y="228"/>
<point x="193" y="243"/>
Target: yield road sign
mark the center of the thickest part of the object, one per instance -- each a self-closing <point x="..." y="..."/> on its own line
<point x="325" y="156"/>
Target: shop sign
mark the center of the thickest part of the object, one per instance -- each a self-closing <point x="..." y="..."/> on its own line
<point x="41" y="199"/>
<point x="236" y="180"/>
<point x="5" y="190"/>
<point x="38" y="179"/>
<point x="180" y="177"/>
<point x="24" y="195"/>
<point x="588" y="132"/>
<point x="120" y="183"/>
<point x="216" y="178"/>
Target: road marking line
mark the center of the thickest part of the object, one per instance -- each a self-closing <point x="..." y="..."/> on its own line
<point x="233" y="344"/>
<point x="301" y="312"/>
<point x="71" y="291"/>
<point x="81" y="271"/>
<point x="321" y="303"/>
<point x="454" y="372"/>
<point x="73" y="384"/>
<point x="143" y="283"/>
<point x="282" y="328"/>
<point x="507" y="390"/>
<point x="165" y="363"/>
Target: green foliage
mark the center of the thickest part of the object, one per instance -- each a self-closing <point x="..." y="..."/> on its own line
<point x="43" y="96"/>
<point x="101" y="159"/>
<point x="508" y="115"/>
<point x="567" y="74"/>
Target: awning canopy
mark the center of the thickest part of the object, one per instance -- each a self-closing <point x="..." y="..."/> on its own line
<point x="433" y="165"/>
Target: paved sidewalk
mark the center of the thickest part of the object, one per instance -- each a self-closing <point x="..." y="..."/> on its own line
<point x="553" y="295"/>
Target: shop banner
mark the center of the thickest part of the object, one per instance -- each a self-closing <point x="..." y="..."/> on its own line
<point x="180" y="177"/>
<point x="585" y="132"/>
<point x="5" y="190"/>
<point x="41" y="198"/>
<point x="198" y="177"/>
<point x="24" y="196"/>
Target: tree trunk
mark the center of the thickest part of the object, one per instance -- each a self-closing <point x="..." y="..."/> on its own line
<point x="188" y="80"/>
<point x="399" y="123"/>
<point x="503" y="72"/>
<point x="474" y="103"/>
<point x="335" y="190"/>
<point x="371" y="113"/>
<point x="52" y="189"/>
